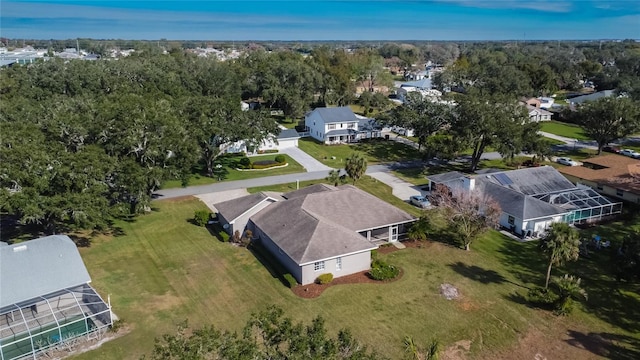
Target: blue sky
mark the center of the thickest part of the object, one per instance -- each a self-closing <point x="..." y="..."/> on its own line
<point x="322" y="20"/>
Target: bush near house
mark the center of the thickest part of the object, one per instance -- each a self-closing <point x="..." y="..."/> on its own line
<point x="201" y="217"/>
<point x="380" y="270"/>
<point x="244" y="163"/>
<point x="291" y="281"/>
<point x="324" y="279"/>
<point x="281" y="159"/>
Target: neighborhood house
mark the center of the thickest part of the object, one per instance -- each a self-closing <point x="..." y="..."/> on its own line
<point x="45" y="297"/>
<point x="611" y="175"/>
<point x="340" y="125"/>
<point x="318" y="229"/>
<point x="532" y="199"/>
<point x="286" y="139"/>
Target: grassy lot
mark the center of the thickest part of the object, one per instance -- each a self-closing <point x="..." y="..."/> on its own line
<point x="163" y="270"/>
<point x="366" y="183"/>
<point x="376" y="151"/>
<point x="231" y="162"/>
<point x="287" y="122"/>
<point x="563" y="129"/>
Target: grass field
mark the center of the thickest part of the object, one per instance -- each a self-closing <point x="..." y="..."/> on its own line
<point x="162" y="270"/>
<point x="563" y="129"/>
<point x="230" y="174"/>
<point x="376" y="151"/>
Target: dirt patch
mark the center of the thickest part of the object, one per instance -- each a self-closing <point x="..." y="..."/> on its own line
<point x="457" y="351"/>
<point x="449" y="291"/>
<point x="314" y="290"/>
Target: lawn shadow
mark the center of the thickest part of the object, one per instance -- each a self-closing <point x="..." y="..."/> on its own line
<point x="612" y="346"/>
<point x="477" y="273"/>
<point x="276" y="270"/>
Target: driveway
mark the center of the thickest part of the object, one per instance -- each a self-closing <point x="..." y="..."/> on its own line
<point x="216" y="197"/>
<point x="306" y="160"/>
<point x="399" y="188"/>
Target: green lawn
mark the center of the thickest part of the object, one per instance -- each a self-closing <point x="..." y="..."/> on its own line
<point x="563" y="129"/>
<point x="376" y="151"/>
<point x="287" y="122"/>
<point x="230" y="163"/>
<point x="163" y="270"/>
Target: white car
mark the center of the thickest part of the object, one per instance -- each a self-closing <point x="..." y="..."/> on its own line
<point x="566" y="161"/>
<point x="630" y="153"/>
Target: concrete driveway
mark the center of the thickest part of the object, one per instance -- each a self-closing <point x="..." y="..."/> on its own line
<point x="306" y="160"/>
<point x="216" y="197"/>
<point x="399" y="188"/>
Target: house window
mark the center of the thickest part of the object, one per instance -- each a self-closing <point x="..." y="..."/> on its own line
<point x="512" y="220"/>
<point x="318" y="266"/>
<point x="331" y="126"/>
<point x="619" y="192"/>
<point x="351" y="125"/>
<point x="338" y="264"/>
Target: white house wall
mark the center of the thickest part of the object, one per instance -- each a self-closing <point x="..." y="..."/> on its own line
<point x="351" y="264"/>
<point x="284" y="259"/>
<point x="315" y="124"/>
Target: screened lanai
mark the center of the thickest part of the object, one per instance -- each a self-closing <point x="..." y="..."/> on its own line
<point x="585" y="204"/>
<point x="46" y="301"/>
<point x="48" y="321"/>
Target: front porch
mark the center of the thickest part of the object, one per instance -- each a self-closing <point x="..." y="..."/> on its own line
<point x="387" y="234"/>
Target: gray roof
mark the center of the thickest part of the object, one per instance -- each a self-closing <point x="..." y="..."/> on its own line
<point x="532" y="181"/>
<point x="288" y="134"/>
<point x="336" y="114"/>
<point x="591" y="97"/>
<point x="517" y="204"/>
<point x="311" y="189"/>
<point x="324" y="223"/>
<point x="445" y="177"/>
<point x="39" y="267"/>
<point x="424" y="83"/>
<point x="232" y="209"/>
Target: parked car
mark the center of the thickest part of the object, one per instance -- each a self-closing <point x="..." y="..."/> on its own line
<point x="611" y="149"/>
<point x="630" y="153"/>
<point x="419" y="201"/>
<point x="566" y="161"/>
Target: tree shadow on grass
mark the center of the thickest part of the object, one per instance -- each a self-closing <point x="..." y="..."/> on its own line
<point x="484" y="276"/>
<point x="612" y="346"/>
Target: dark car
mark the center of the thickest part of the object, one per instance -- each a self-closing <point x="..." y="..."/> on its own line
<point x="611" y="149"/>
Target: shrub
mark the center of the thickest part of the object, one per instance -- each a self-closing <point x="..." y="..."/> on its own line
<point x="224" y="237"/>
<point x="264" y="164"/>
<point x="541" y="297"/>
<point x="201" y="217"/>
<point x="290" y="280"/>
<point x="281" y="159"/>
<point x="116" y="325"/>
<point x="380" y="270"/>
<point x="271" y="151"/>
<point x="245" y="163"/>
<point x="324" y="278"/>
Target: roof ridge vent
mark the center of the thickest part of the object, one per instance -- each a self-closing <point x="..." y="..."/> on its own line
<point x="20" y="248"/>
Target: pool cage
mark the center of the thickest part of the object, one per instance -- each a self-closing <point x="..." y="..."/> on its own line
<point x="585" y="205"/>
<point x="52" y="322"/>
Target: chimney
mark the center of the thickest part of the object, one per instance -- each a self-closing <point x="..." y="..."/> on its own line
<point x="469" y="183"/>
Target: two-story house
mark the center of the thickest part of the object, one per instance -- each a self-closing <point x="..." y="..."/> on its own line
<point x="333" y="125"/>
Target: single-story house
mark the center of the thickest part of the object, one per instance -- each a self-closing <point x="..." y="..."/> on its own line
<point x="532" y="199"/>
<point x="233" y="215"/>
<point x="339" y="125"/>
<point x="319" y="229"/>
<point x="612" y="175"/>
<point x="287" y="138"/>
<point x="538" y="114"/>
<point x="45" y="297"/>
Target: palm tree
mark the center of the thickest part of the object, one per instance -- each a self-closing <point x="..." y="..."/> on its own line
<point x="561" y="244"/>
<point x="355" y="166"/>
<point x="334" y="177"/>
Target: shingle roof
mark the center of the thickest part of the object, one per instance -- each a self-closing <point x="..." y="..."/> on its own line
<point x="446" y="177"/>
<point x="324" y="223"/>
<point x="336" y="114"/>
<point x="424" y="83"/>
<point x="311" y="189"/>
<point x="518" y="204"/>
<point x="232" y="209"/>
<point x="534" y="180"/>
<point x="591" y="97"/>
<point x="288" y="134"/>
<point x="611" y="170"/>
<point x="39" y="267"/>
